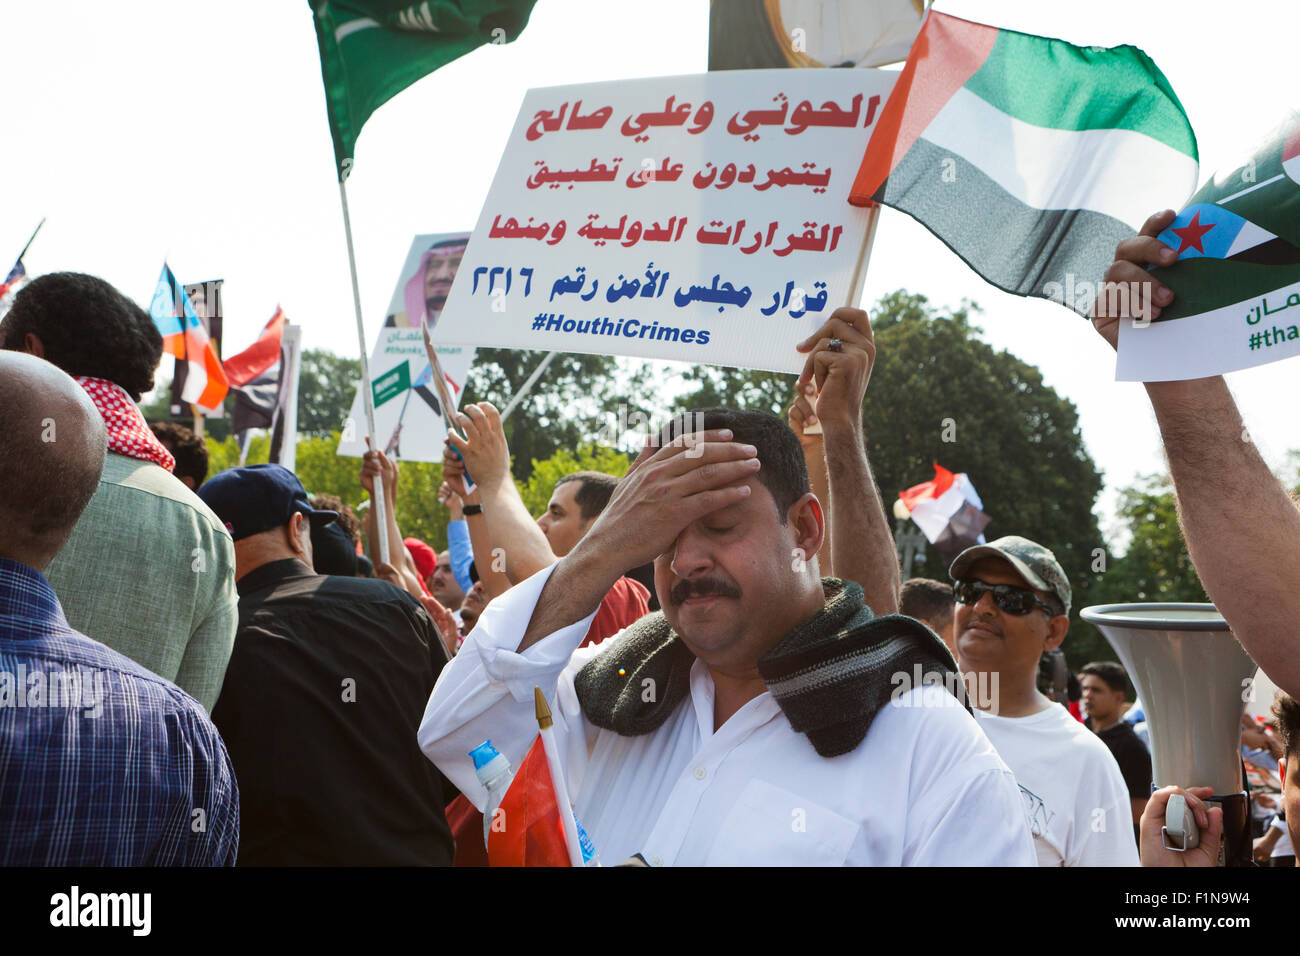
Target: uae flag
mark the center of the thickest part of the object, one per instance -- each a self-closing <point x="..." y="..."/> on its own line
<point x="948" y="511"/>
<point x="254" y="375"/>
<point x="1236" y="280"/>
<point x="1031" y="158"/>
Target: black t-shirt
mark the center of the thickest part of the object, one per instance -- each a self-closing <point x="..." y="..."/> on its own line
<point x="321" y="705"/>
<point x="1131" y="755"/>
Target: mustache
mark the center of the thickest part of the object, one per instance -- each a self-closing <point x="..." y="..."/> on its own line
<point x="702" y="587"/>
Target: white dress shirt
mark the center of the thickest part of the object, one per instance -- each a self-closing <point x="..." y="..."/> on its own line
<point x="925" y="786"/>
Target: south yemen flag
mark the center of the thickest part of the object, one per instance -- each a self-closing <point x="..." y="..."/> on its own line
<point x="185" y="338"/>
<point x="1030" y="157"/>
<point x="1236" y="281"/>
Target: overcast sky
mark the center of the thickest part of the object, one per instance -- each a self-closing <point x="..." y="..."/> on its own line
<point x="197" y="131"/>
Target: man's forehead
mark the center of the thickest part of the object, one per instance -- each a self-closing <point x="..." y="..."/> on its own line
<point x="989" y="568"/>
<point x="562" y="496"/>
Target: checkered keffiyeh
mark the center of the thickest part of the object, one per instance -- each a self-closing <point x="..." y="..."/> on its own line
<point x="128" y="433"/>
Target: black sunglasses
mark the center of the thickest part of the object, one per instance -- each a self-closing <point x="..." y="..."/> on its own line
<point x="1007" y="597"/>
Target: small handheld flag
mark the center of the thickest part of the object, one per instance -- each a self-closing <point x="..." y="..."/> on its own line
<point x="185" y="338"/>
<point x="948" y="511"/>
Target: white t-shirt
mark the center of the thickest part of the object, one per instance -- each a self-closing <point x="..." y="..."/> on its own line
<point x="1075" y="798"/>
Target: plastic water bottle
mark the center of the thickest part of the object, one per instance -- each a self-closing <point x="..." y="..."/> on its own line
<point x="589" y="855"/>
<point x="494" y="772"/>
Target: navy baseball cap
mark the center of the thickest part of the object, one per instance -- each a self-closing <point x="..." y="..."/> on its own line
<point x="256" y="498"/>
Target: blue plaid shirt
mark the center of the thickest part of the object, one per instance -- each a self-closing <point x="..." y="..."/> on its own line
<point x="102" y="763"/>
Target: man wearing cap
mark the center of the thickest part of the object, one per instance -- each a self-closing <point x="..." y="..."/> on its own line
<point x="1013" y="604"/>
<point x="323" y="695"/>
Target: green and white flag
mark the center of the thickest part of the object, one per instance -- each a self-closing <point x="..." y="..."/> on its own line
<point x="371" y="50"/>
<point x="1030" y="157"/>
<point x="1236" y="280"/>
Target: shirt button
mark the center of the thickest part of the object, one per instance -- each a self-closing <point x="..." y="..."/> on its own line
<point x="700" y="773"/>
<point x="656" y="861"/>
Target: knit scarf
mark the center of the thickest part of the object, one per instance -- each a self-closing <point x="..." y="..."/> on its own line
<point x="128" y="434"/>
<point x="830" y="676"/>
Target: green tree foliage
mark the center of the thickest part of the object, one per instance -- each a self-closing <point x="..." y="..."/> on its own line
<point x="577" y="398"/>
<point x="321" y="471"/>
<point x="327" y="383"/>
<point x="1156" y="566"/>
<point x="536" y="491"/>
<point x="941" y="394"/>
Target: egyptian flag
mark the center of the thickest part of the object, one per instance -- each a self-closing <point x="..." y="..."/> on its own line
<point x="527" y="829"/>
<point x="1236" y="280"/>
<point x="948" y="511"/>
<point x="254" y="375"/>
<point x="1031" y="158"/>
<point x="185" y="337"/>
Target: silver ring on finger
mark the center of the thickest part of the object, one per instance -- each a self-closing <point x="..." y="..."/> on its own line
<point x="835" y="345"/>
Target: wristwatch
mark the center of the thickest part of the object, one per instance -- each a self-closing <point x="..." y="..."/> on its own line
<point x="468" y="510"/>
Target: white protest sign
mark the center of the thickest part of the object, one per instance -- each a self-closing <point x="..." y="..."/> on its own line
<point x="701" y="218"/>
<point x="409" y="419"/>
<point x="1228" y="339"/>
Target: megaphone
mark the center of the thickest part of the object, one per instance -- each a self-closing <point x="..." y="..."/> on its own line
<point x="1194" y="679"/>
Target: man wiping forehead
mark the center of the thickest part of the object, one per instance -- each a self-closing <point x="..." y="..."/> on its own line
<point x="745" y="723"/>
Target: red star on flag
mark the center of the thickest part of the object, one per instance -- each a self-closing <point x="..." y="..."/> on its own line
<point x="1191" y="234"/>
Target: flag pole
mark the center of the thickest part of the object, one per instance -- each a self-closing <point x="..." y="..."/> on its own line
<point x="32" y="239"/>
<point x="523" y="390"/>
<point x="558" y="782"/>
<point x="381" y="506"/>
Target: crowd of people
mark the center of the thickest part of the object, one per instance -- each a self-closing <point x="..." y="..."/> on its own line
<point x="211" y="670"/>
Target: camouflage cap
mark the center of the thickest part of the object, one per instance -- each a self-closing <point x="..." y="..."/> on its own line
<point x="1033" y="562"/>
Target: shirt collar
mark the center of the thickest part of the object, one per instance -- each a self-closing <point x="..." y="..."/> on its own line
<point x="273" y="573"/>
<point x="27" y="602"/>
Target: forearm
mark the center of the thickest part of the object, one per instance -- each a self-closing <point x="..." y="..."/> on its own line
<point x="573" y="591"/>
<point x="397" y="555"/>
<point x="460" y="550"/>
<point x="494" y="580"/>
<point x="862" y="548"/>
<point x="1241" y="527"/>
<point x="512" y="528"/>
<point x="815" y="458"/>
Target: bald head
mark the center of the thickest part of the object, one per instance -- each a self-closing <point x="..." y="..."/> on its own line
<point x="52" y="446"/>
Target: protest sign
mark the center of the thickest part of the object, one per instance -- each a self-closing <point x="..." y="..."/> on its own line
<point x="701" y="218"/>
<point x="1236" y="280"/>
<point x="409" y="419"/>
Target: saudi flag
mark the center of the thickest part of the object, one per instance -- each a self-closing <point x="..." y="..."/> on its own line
<point x="1236" y="281"/>
<point x="371" y="50"/>
<point x="1030" y="157"/>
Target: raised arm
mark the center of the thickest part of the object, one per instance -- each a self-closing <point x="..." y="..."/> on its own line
<point x="487" y="458"/>
<point x="398" y="557"/>
<point x="1241" y="527"/>
<point x="494" y="580"/>
<point x="862" y="547"/>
